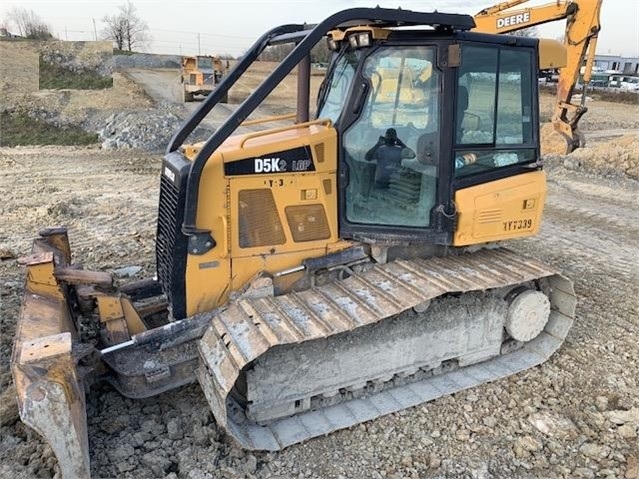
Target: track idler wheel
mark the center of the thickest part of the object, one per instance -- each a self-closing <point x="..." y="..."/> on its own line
<point x="527" y="315"/>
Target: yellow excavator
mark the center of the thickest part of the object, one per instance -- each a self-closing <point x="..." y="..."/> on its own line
<point x="317" y="275"/>
<point x="580" y="40"/>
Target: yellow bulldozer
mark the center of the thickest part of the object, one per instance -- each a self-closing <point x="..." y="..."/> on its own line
<point x="321" y="274"/>
<point x="201" y="74"/>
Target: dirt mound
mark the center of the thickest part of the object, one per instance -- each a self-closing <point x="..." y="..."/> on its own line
<point x="552" y="142"/>
<point x="615" y="157"/>
<point x="85" y="108"/>
<point x="19" y="72"/>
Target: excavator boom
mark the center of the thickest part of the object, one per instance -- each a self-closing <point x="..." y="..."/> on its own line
<point x="580" y="40"/>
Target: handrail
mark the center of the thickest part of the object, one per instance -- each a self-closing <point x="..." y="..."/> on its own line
<point x="257" y="121"/>
<point x="251" y="136"/>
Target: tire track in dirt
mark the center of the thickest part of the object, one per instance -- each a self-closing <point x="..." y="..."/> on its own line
<point x="595" y="221"/>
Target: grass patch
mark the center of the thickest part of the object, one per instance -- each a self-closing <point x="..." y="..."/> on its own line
<point x="56" y="77"/>
<point x="19" y="129"/>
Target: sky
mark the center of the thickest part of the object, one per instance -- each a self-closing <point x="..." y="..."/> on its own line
<point x="231" y="26"/>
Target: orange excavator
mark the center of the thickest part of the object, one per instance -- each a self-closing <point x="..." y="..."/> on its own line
<point x="321" y="274"/>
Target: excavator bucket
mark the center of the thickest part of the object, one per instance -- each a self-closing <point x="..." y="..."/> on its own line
<point x="45" y="356"/>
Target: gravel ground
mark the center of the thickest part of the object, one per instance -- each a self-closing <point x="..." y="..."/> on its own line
<point x="575" y="416"/>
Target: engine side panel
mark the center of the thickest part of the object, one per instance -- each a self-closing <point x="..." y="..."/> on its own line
<point x="499" y="210"/>
<point x="270" y="201"/>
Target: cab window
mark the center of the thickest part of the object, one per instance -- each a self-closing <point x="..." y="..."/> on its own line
<point x="494" y="121"/>
<point x="338" y="85"/>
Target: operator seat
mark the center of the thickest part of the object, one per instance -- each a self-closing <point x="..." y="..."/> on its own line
<point x="428" y="143"/>
<point x="462" y="106"/>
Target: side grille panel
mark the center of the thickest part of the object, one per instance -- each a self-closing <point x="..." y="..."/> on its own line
<point x="259" y="221"/>
<point x="171" y="244"/>
<point x="307" y="223"/>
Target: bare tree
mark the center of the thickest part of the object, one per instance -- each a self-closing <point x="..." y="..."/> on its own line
<point x="125" y="28"/>
<point x="29" y="24"/>
<point x="114" y="30"/>
<point x="530" y="32"/>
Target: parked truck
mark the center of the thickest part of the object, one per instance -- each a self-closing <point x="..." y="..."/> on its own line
<point x="201" y="74"/>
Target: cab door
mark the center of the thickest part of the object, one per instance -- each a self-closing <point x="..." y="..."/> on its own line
<point x="391" y="151"/>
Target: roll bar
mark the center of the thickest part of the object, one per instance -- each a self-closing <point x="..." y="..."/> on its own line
<point x="200" y="240"/>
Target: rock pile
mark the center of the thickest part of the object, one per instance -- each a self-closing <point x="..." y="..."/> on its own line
<point x="80" y="56"/>
<point x="149" y="129"/>
<point x="146" y="129"/>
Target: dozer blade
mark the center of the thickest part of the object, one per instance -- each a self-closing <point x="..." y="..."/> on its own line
<point x="44" y="365"/>
<point x="279" y="370"/>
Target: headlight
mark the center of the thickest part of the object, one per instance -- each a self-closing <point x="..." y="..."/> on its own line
<point x="364" y="39"/>
<point x="332" y="44"/>
<point x="360" y="39"/>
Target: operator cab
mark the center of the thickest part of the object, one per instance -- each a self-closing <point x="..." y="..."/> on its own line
<point x="412" y="130"/>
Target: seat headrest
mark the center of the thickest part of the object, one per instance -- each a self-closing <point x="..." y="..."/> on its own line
<point x="462" y="98"/>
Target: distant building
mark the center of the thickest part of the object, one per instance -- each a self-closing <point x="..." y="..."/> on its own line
<point x="629" y="65"/>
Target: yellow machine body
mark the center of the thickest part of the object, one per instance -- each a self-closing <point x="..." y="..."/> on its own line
<point x="500" y="210"/>
<point x="289" y="217"/>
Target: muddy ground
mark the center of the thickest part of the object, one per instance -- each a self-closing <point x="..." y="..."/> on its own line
<point x="575" y="416"/>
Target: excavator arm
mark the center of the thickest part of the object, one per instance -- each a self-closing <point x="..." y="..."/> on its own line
<point x="580" y="39"/>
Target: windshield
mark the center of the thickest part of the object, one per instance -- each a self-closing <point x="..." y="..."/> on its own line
<point x="338" y="86"/>
<point x="392" y="150"/>
<point x="205" y="63"/>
